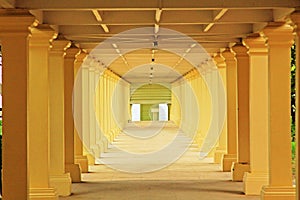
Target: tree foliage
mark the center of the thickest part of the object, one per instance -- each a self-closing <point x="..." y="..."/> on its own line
<point x="293" y="90"/>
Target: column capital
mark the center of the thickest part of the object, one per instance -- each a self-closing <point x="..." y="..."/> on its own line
<point x="279" y="34"/>
<point x="42" y="35"/>
<point x="71" y="52"/>
<point x="220" y="61"/>
<point x="228" y="55"/>
<point x="87" y="61"/>
<point x="60" y="44"/>
<point x="240" y="50"/>
<point x="295" y="17"/>
<point x="81" y="56"/>
<point x="15" y="21"/>
<point x="92" y="69"/>
<point x="256" y="44"/>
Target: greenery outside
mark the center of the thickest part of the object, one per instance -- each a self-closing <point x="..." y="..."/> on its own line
<point x="293" y="107"/>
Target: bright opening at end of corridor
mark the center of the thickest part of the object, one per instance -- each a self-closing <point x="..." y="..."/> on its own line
<point x="162" y="103"/>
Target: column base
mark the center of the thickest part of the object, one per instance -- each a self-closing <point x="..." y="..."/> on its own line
<point x="199" y="140"/>
<point x="96" y="150"/>
<point x="218" y="155"/>
<point x="62" y="183"/>
<point x="238" y="170"/>
<point x="91" y="159"/>
<point x="75" y="172"/>
<point x="211" y="154"/>
<point x="253" y="182"/>
<point x="278" y="193"/>
<point x="105" y="144"/>
<point x="43" y="194"/>
<point x="83" y="162"/>
<point x="90" y="156"/>
<point x="227" y="161"/>
<point x="101" y="148"/>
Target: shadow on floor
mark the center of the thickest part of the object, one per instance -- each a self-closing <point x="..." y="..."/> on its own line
<point x="165" y="190"/>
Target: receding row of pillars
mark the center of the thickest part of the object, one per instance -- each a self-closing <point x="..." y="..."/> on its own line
<point x="258" y="148"/>
<point x="42" y="148"/>
<point x="258" y="110"/>
<point x="255" y="142"/>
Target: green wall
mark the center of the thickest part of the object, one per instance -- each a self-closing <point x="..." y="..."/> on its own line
<point x="145" y="112"/>
<point x="150" y="94"/>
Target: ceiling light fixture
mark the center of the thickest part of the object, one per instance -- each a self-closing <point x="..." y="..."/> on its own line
<point x="193" y="45"/>
<point x="156" y="28"/>
<point x="114" y="45"/>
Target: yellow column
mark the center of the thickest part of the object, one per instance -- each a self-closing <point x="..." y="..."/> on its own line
<point x="243" y="149"/>
<point x="71" y="167"/>
<point x="258" y="121"/>
<point x="109" y="85"/>
<point x="296" y="19"/>
<point x="78" y="138"/>
<point x="92" y="114"/>
<point x="231" y="82"/>
<point x="14" y="33"/>
<point x="86" y="111"/>
<point x="103" y="112"/>
<point x="222" y="147"/>
<point x="196" y="87"/>
<point x="280" y="39"/>
<point x="97" y="112"/>
<point x="106" y="107"/>
<point x="38" y="127"/>
<point x="212" y="98"/>
<point x="104" y="140"/>
<point x="205" y="106"/>
<point x="58" y="178"/>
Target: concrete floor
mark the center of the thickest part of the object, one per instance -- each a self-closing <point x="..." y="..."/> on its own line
<point x="187" y="178"/>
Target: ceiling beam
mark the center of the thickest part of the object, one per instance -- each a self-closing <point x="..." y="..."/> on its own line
<point x="193" y="30"/>
<point x="96" y="14"/>
<point x="7" y="3"/>
<point x="281" y="13"/>
<point x="100" y="19"/>
<point x="208" y="27"/>
<point x="158" y="15"/>
<point x="218" y="14"/>
<point x="199" y="39"/>
<point x="105" y="28"/>
<point x="153" y="4"/>
<point x="94" y="17"/>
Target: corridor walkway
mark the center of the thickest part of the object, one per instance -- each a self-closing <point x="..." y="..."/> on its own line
<point x="187" y="178"/>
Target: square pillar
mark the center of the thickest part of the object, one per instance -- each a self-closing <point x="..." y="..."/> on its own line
<point x="71" y="167"/>
<point x="221" y="149"/>
<point x="38" y="115"/>
<point x="243" y="150"/>
<point x="77" y="96"/>
<point x="14" y="33"/>
<point x="58" y="178"/>
<point x="86" y="111"/>
<point x="231" y="83"/>
<point x="98" y="110"/>
<point x="258" y="121"/>
<point x="104" y="140"/>
<point x="296" y="19"/>
<point x="280" y="39"/>
<point x="94" y="148"/>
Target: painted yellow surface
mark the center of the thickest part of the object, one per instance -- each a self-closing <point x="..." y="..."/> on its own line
<point x="113" y="100"/>
<point x="192" y="86"/>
